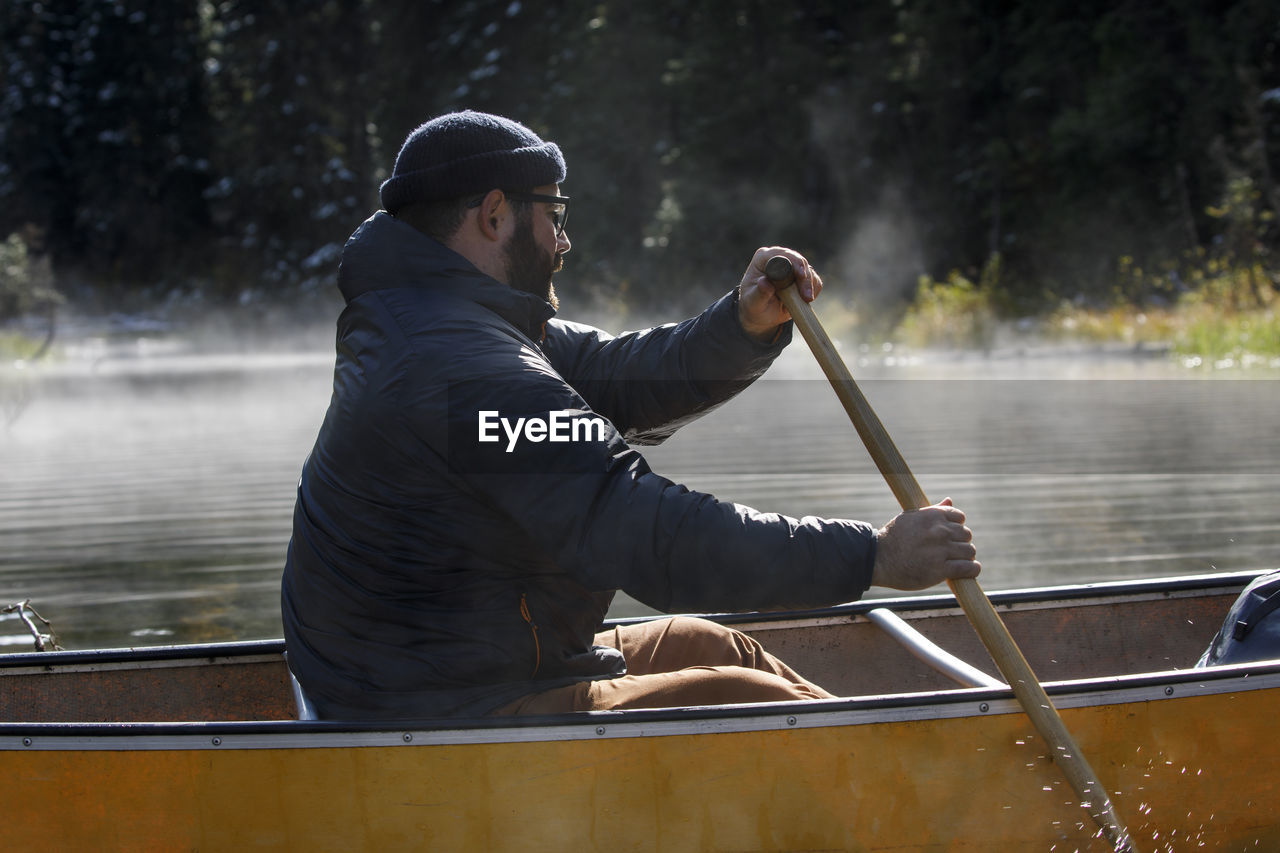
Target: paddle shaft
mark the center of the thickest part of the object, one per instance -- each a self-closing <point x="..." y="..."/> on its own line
<point x="982" y="614"/>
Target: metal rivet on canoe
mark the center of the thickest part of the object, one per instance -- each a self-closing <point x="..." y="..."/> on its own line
<point x="599" y="730"/>
<point x="217" y="741"/>
<point x="408" y="737"/>
<point x="984" y="707"/>
<point x="791" y="721"/>
<point x="1168" y="691"/>
<point x="26" y="741"/>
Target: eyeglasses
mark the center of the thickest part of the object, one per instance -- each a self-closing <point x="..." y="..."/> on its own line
<point x="560" y="210"/>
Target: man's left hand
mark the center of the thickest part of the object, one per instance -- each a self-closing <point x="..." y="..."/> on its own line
<point x="759" y="309"/>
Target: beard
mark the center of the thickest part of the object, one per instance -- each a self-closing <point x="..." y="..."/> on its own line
<point x="528" y="267"/>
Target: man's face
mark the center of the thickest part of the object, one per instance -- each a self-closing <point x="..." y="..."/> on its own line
<point x="535" y="252"/>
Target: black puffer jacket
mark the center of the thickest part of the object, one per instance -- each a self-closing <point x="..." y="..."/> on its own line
<point x="432" y="573"/>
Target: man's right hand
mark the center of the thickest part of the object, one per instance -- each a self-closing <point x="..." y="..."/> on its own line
<point x="760" y="310"/>
<point x="923" y="547"/>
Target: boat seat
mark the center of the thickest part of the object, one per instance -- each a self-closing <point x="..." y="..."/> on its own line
<point x="306" y="711"/>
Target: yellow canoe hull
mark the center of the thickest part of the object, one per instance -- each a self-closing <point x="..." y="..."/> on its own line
<point x="196" y="748"/>
<point x="1184" y="770"/>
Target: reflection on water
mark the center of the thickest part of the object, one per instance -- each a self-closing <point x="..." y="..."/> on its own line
<point x="149" y="502"/>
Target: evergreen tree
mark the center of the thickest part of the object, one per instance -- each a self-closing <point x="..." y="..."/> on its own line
<point x="104" y="133"/>
<point x="289" y="96"/>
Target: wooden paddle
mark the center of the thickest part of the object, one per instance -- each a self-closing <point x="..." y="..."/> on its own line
<point x="982" y="614"/>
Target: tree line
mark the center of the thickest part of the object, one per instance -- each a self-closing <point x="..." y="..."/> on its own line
<point x="229" y="148"/>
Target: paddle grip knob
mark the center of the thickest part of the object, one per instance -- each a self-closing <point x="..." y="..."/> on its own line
<point x="778" y="270"/>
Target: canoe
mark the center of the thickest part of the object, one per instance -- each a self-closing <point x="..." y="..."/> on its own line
<point x="199" y="747"/>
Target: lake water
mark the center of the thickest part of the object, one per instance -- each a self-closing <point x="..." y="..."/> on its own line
<point x="146" y="494"/>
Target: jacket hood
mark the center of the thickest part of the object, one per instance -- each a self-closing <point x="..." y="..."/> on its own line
<point x="385" y="253"/>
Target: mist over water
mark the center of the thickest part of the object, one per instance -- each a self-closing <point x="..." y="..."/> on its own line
<point x="148" y="500"/>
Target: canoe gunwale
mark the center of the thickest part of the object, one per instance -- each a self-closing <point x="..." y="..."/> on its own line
<point x="199" y="653"/>
<point x="944" y="603"/>
<point x="1171" y="685"/>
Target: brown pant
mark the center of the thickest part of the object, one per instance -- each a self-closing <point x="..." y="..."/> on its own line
<point x="675" y="663"/>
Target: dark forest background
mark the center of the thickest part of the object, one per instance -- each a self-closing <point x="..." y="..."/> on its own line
<point x="227" y="149"/>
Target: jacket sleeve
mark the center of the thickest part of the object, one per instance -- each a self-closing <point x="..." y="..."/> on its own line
<point x="650" y="383"/>
<point x="593" y="509"/>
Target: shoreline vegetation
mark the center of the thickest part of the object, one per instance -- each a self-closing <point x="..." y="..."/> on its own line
<point x="1226" y="321"/>
<point x="1212" y="316"/>
<point x="1206" y="314"/>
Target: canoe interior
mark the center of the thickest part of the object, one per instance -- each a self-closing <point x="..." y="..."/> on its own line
<point x="1065" y="633"/>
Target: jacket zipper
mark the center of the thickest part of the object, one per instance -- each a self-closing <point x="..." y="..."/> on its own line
<point x="537" y="646"/>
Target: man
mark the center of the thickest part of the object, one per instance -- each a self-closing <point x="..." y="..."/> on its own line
<point x="473" y="499"/>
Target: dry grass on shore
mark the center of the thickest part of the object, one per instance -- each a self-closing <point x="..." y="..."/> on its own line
<point x="1223" y="317"/>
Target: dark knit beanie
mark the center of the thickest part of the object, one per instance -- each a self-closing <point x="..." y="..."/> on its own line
<point x="462" y="153"/>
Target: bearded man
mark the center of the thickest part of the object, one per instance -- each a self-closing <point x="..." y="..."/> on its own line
<point x="474" y="497"/>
